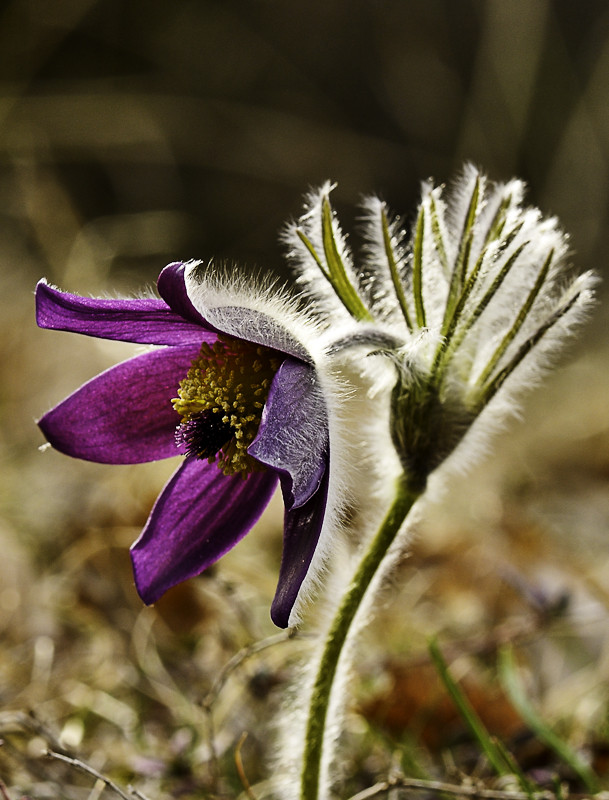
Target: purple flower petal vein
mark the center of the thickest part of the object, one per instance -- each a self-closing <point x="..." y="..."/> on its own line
<point x="125" y="415"/>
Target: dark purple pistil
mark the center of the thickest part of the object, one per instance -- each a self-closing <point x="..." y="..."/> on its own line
<point x="204" y="434"/>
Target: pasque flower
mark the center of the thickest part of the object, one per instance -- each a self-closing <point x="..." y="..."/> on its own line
<point x="463" y="312"/>
<point x="234" y="387"/>
<point x="475" y="299"/>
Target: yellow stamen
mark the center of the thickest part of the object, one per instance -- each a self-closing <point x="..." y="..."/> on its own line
<point x="230" y="378"/>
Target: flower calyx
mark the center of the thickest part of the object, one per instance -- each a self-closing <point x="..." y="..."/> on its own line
<point x="426" y="425"/>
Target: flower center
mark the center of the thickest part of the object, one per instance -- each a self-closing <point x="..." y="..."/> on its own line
<point x="221" y="401"/>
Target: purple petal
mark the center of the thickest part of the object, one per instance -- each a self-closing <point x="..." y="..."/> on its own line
<point x="172" y="288"/>
<point x="198" y="517"/>
<point x="301" y="530"/>
<point x="293" y="434"/>
<point x="145" y="321"/>
<point x="124" y="415"/>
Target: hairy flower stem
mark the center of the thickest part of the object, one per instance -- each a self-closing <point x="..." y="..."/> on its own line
<point x="338" y="634"/>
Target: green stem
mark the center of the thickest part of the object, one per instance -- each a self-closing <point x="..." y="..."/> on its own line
<point x="339" y="631"/>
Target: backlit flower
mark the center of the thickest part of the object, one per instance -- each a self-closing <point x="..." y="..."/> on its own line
<point x="232" y="385"/>
<point x="475" y="299"/>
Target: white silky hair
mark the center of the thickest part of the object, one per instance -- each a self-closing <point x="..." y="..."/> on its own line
<point x="217" y="297"/>
<point x="561" y="305"/>
<point x="380" y="290"/>
<point x="457" y="198"/>
<point x="525" y="230"/>
<point x="357" y="384"/>
<point x="560" y="291"/>
<point x="372" y="465"/>
<point x="307" y="272"/>
<point x="358" y="482"/>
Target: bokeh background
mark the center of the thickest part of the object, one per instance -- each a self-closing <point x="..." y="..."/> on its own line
<point x="137" y="133"/>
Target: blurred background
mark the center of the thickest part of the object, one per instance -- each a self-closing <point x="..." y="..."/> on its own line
<point x="137" y="133"/>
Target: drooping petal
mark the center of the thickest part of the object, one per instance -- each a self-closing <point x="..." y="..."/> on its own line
<point x="301" y="530"/>
<point x="198" y="517"/>
<point x="124" y="415"/>
<point x="172" y="288"/>
<point x="293" y="433"/>
<point x="144" y="321"/>
<point x="260" y="313"/>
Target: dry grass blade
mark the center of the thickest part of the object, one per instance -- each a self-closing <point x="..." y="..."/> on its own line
<point x="82" y="767"/>
<point x="246" y="652"/>
<point x="239" y="764"/>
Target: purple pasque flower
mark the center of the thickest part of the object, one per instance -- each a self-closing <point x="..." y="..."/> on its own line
<point x="232" y="385"/>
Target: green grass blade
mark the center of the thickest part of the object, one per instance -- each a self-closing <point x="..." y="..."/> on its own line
<point x="512" y="684"/>
<point x="526" y="785"/>
<point x="469" y="715"/>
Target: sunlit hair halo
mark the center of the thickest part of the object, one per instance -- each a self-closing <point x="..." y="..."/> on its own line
<point x="444" y="326"/>
<point x="236" y="383"/>
<point x="475" y="300"/>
